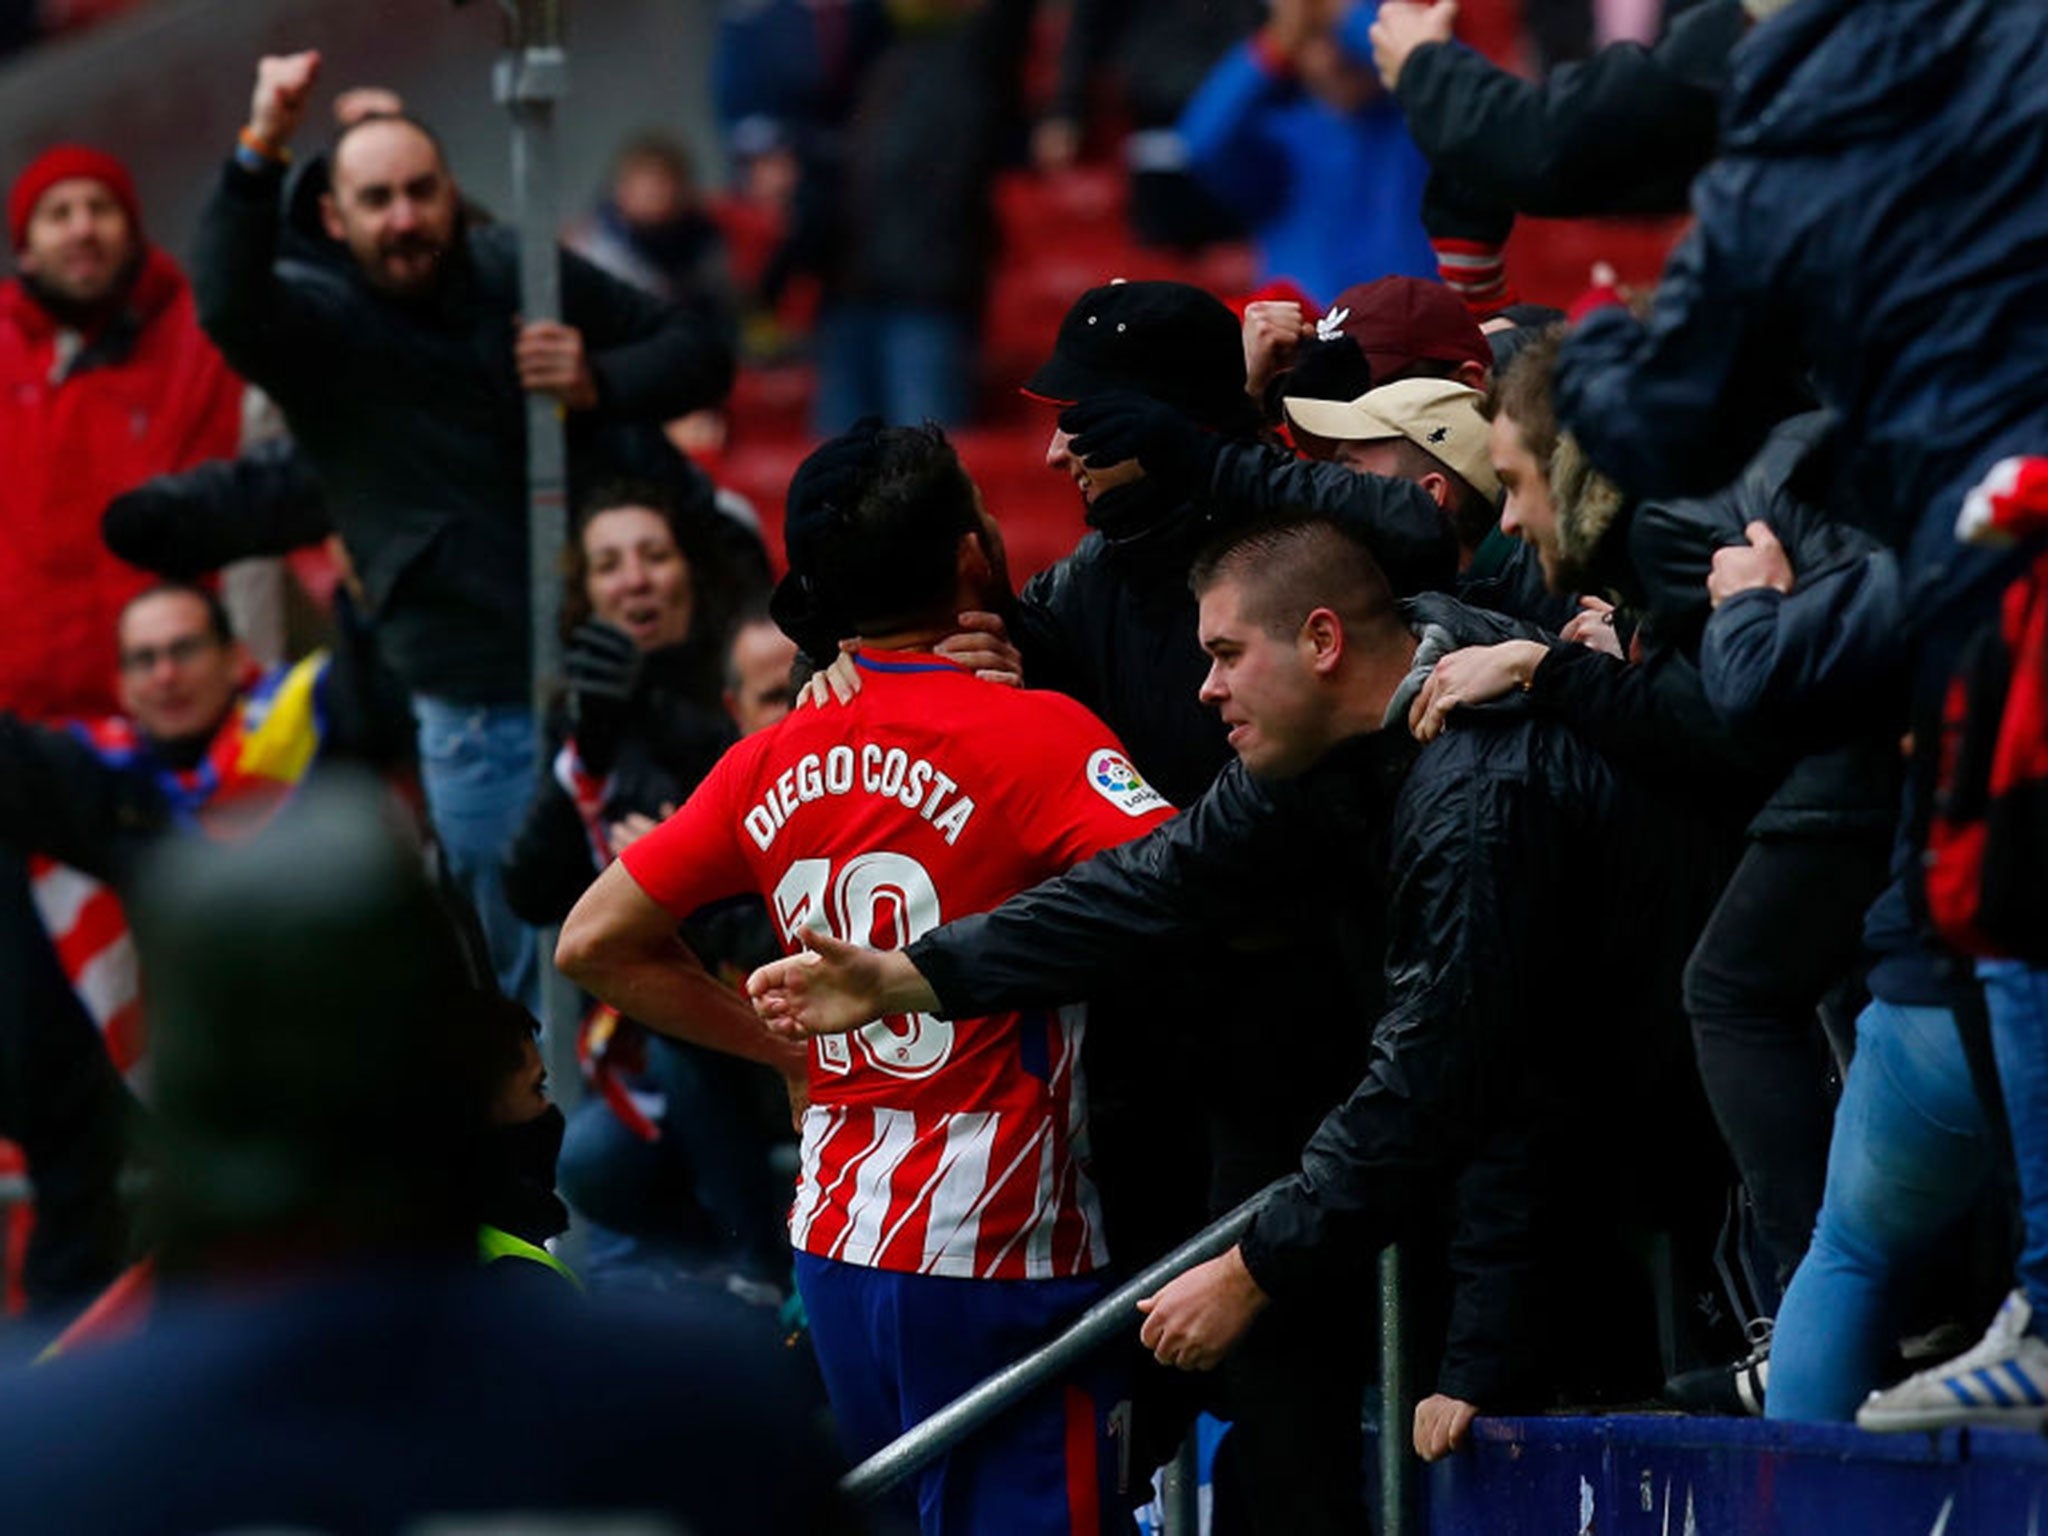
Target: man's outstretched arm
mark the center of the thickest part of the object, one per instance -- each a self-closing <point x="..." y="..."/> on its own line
<point x="1209" y="871"/>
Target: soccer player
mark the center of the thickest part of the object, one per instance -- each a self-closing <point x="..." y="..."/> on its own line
<point x="944" y="1219"/>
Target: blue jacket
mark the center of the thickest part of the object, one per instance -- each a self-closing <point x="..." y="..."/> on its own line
<point x="1876" y="221"/>
<point x="1331" y="198"/>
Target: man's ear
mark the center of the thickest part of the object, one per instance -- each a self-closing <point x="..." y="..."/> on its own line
<point x="971" y="560"/>
<point x="1473" y="375"/>
<point x="1322" y="640"/>
<point x="1438" y="488"/>
<point x="330" y="218"/>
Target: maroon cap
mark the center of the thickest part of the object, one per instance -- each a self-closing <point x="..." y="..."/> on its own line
<point x="1398" y="322"/>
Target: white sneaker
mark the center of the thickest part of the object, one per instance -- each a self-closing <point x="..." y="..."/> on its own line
<point x="2003" y="1382"/>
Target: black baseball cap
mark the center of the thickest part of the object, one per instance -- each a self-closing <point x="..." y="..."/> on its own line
<point x="1169" y="341"/>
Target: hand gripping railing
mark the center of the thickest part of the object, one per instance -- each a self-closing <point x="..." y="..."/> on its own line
<point x="1111" y="1317"/>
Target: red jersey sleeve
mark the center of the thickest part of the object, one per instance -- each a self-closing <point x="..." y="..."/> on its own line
<point x="1084" y="793"/>
<point x="695" y="856"/>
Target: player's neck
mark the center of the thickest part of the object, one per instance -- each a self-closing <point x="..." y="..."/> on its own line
<point x="905" y="640"/>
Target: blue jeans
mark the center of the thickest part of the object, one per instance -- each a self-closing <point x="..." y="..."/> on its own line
<point x="904" y="363"/>
<point x="2016" y="997"/>
<point x="477" y="765"/>
<point x="1911" y="1151"/>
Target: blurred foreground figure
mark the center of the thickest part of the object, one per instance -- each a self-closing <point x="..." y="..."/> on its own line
<point x="325" y="1353"/>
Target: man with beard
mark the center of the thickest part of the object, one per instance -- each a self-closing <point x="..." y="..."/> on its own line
<point x="105" y="380"/>
<point x="401" y="364"/>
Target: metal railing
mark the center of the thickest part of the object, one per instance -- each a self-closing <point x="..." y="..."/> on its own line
<point x="1109" y="1319"/>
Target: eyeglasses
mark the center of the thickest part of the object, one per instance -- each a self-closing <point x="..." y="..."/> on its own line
<point x="180" y="652"/>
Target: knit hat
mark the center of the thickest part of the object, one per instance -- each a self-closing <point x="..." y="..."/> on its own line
<point x="68" y="162"/>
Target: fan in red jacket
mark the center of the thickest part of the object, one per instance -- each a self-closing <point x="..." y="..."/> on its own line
<point x="105" y="380"/>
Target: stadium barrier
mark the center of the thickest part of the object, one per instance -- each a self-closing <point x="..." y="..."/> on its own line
<point x="1672" y="1475"/>
<point x="1113" y="1317"/>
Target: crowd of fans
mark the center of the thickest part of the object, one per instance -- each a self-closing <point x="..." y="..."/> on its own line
<point x="1566" y="793"/>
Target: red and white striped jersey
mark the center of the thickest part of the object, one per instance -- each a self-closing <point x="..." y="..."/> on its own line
<point x="88" y="926"/>
<point x="934" y="1146"/>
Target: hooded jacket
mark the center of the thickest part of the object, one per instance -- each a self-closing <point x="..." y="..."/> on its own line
<point x="145" y="395"/>
<point x="1430" y="878"/>
<point x="1276" y="156"/>
<point x="1874" y="224"/>
<point x="411" y="414"/>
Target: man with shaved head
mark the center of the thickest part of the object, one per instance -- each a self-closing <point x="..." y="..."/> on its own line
<point x="387" y="328"/>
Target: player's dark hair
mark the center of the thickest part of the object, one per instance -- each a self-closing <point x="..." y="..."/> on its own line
<point x="890" y="561"/>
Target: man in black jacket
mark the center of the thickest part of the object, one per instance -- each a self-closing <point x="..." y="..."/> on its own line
<point x="1432" y="879"/>
<point x="1164" y="447"/>
<point x="400" y="364"/>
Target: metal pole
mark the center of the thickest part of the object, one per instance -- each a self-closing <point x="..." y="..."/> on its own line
<point x="1115" y="1314"/>
<point x="1180" y="1492"/>
<point x="528" y="81"/>
<point x="1396" y="1466"/>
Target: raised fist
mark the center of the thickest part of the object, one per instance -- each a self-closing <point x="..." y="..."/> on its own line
<point x="284" y="85"/>
<point x="1401" y="28"/>
<point x="1273" y="333"/>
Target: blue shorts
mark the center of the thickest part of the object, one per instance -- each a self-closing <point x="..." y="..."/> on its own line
<point x="895" y="1348"/>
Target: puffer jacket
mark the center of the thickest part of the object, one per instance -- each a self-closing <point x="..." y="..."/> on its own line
<point x="146" y="395"/>
<point x="1273" y="153"/>
<point x="1431" y="875"/>
<point x="1872" y="223"/>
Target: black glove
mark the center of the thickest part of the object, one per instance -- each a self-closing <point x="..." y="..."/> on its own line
<point x="1168" y="445"/>
<point x="604" y="666"/>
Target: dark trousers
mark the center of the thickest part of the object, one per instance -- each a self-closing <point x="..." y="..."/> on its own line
<point x="62" y="1100"/>
<point x="1787" y="929"/>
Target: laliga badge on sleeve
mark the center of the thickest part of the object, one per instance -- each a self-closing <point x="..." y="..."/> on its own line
<point x="1118" y="782"/>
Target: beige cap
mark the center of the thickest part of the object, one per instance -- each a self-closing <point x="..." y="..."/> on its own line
<point x="1438" y="416"/>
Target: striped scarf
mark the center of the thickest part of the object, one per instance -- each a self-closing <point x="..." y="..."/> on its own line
<point x="250" y="767"/>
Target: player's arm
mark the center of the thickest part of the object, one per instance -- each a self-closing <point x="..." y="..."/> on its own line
<point x="619" y="944"/>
